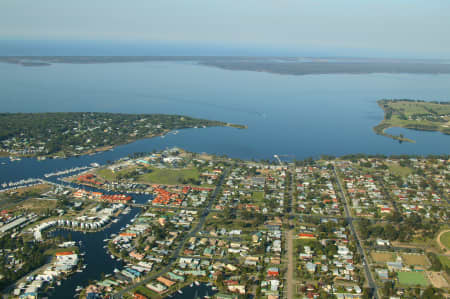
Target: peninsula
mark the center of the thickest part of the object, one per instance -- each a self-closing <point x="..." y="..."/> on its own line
<point x="77" y="133"/>
<point x="413" y="114"/>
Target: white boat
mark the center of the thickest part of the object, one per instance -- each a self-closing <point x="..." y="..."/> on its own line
<point x="113" y="257"/>
<point x="180" y="291"/>
<point x="196" y="283"/>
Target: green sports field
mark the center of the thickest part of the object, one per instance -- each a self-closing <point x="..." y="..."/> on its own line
<point x="413" y="278"/>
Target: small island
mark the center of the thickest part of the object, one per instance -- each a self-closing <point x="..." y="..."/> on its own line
<point x="413" y="114"/>
<point x="65" y="134"/>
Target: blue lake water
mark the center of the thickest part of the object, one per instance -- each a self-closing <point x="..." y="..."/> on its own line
<point x="293" y="115"/>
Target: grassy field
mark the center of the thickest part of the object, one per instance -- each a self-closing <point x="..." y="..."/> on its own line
<point x="56" y="250"/>
<point x="106" y="174"/>
<point x="399" y="170"/>
<point x="445" y="260"/>
<point x="41" y="188"/>
<point x="258" y="196"/>
<point x="413" y="278"/>
<point x="166" y="176"/>
<point x="415" y="259"/>
<point x="38" y="204"/>
<point x="445" y="239"/>
<point x="382" y="257"/>
<point x="415" y="108"/>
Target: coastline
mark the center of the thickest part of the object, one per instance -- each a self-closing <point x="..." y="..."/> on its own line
<point x="63" y="155"/>
<point x="414" y="115"/>
<point x="384" y="125"/>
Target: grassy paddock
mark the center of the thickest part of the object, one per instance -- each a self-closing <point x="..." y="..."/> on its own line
<point x="399" y="170"/>
<point x="445" y="240"/>
<point x="445" y="260"/>
<point x="383" y="257"/>
<point x="106" y="174"/>
<point x="56" y="250"/>
<point x="415" y="259"/>
<point x="166" y="176"/>
<point x="258" y="196"/>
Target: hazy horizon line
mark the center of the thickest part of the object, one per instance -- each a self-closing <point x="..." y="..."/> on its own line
<point x="90" y="47"/>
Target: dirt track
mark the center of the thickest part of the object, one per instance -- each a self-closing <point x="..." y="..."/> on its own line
<point x="437" y="279"/>
<point x="438" y="239"/>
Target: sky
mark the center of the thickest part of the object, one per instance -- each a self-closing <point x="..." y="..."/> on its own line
<point x="419" y="28"/>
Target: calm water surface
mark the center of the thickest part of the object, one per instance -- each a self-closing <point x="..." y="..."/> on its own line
<point x="293" y="115"/>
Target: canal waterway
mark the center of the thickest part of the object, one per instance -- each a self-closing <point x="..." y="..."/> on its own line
<point x="96" y="257"/>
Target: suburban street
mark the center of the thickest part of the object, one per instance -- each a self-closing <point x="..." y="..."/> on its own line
<point x="176" y="253"/>
<point x="361" y="250"/>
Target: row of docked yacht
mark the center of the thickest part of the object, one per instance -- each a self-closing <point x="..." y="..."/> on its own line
<point x="20" y="184"/>
<point x="67" y="171"/>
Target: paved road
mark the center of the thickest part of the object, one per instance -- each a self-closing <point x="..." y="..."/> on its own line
<point x="176" y="252"/>
<point x="289" y="238"/>
<point x="214" y="259"/>
<point x="290" y="270"/>
<point x="361" y="250"/>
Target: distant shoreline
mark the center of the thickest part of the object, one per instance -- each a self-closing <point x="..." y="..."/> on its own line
<point x="276" y="65"/>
